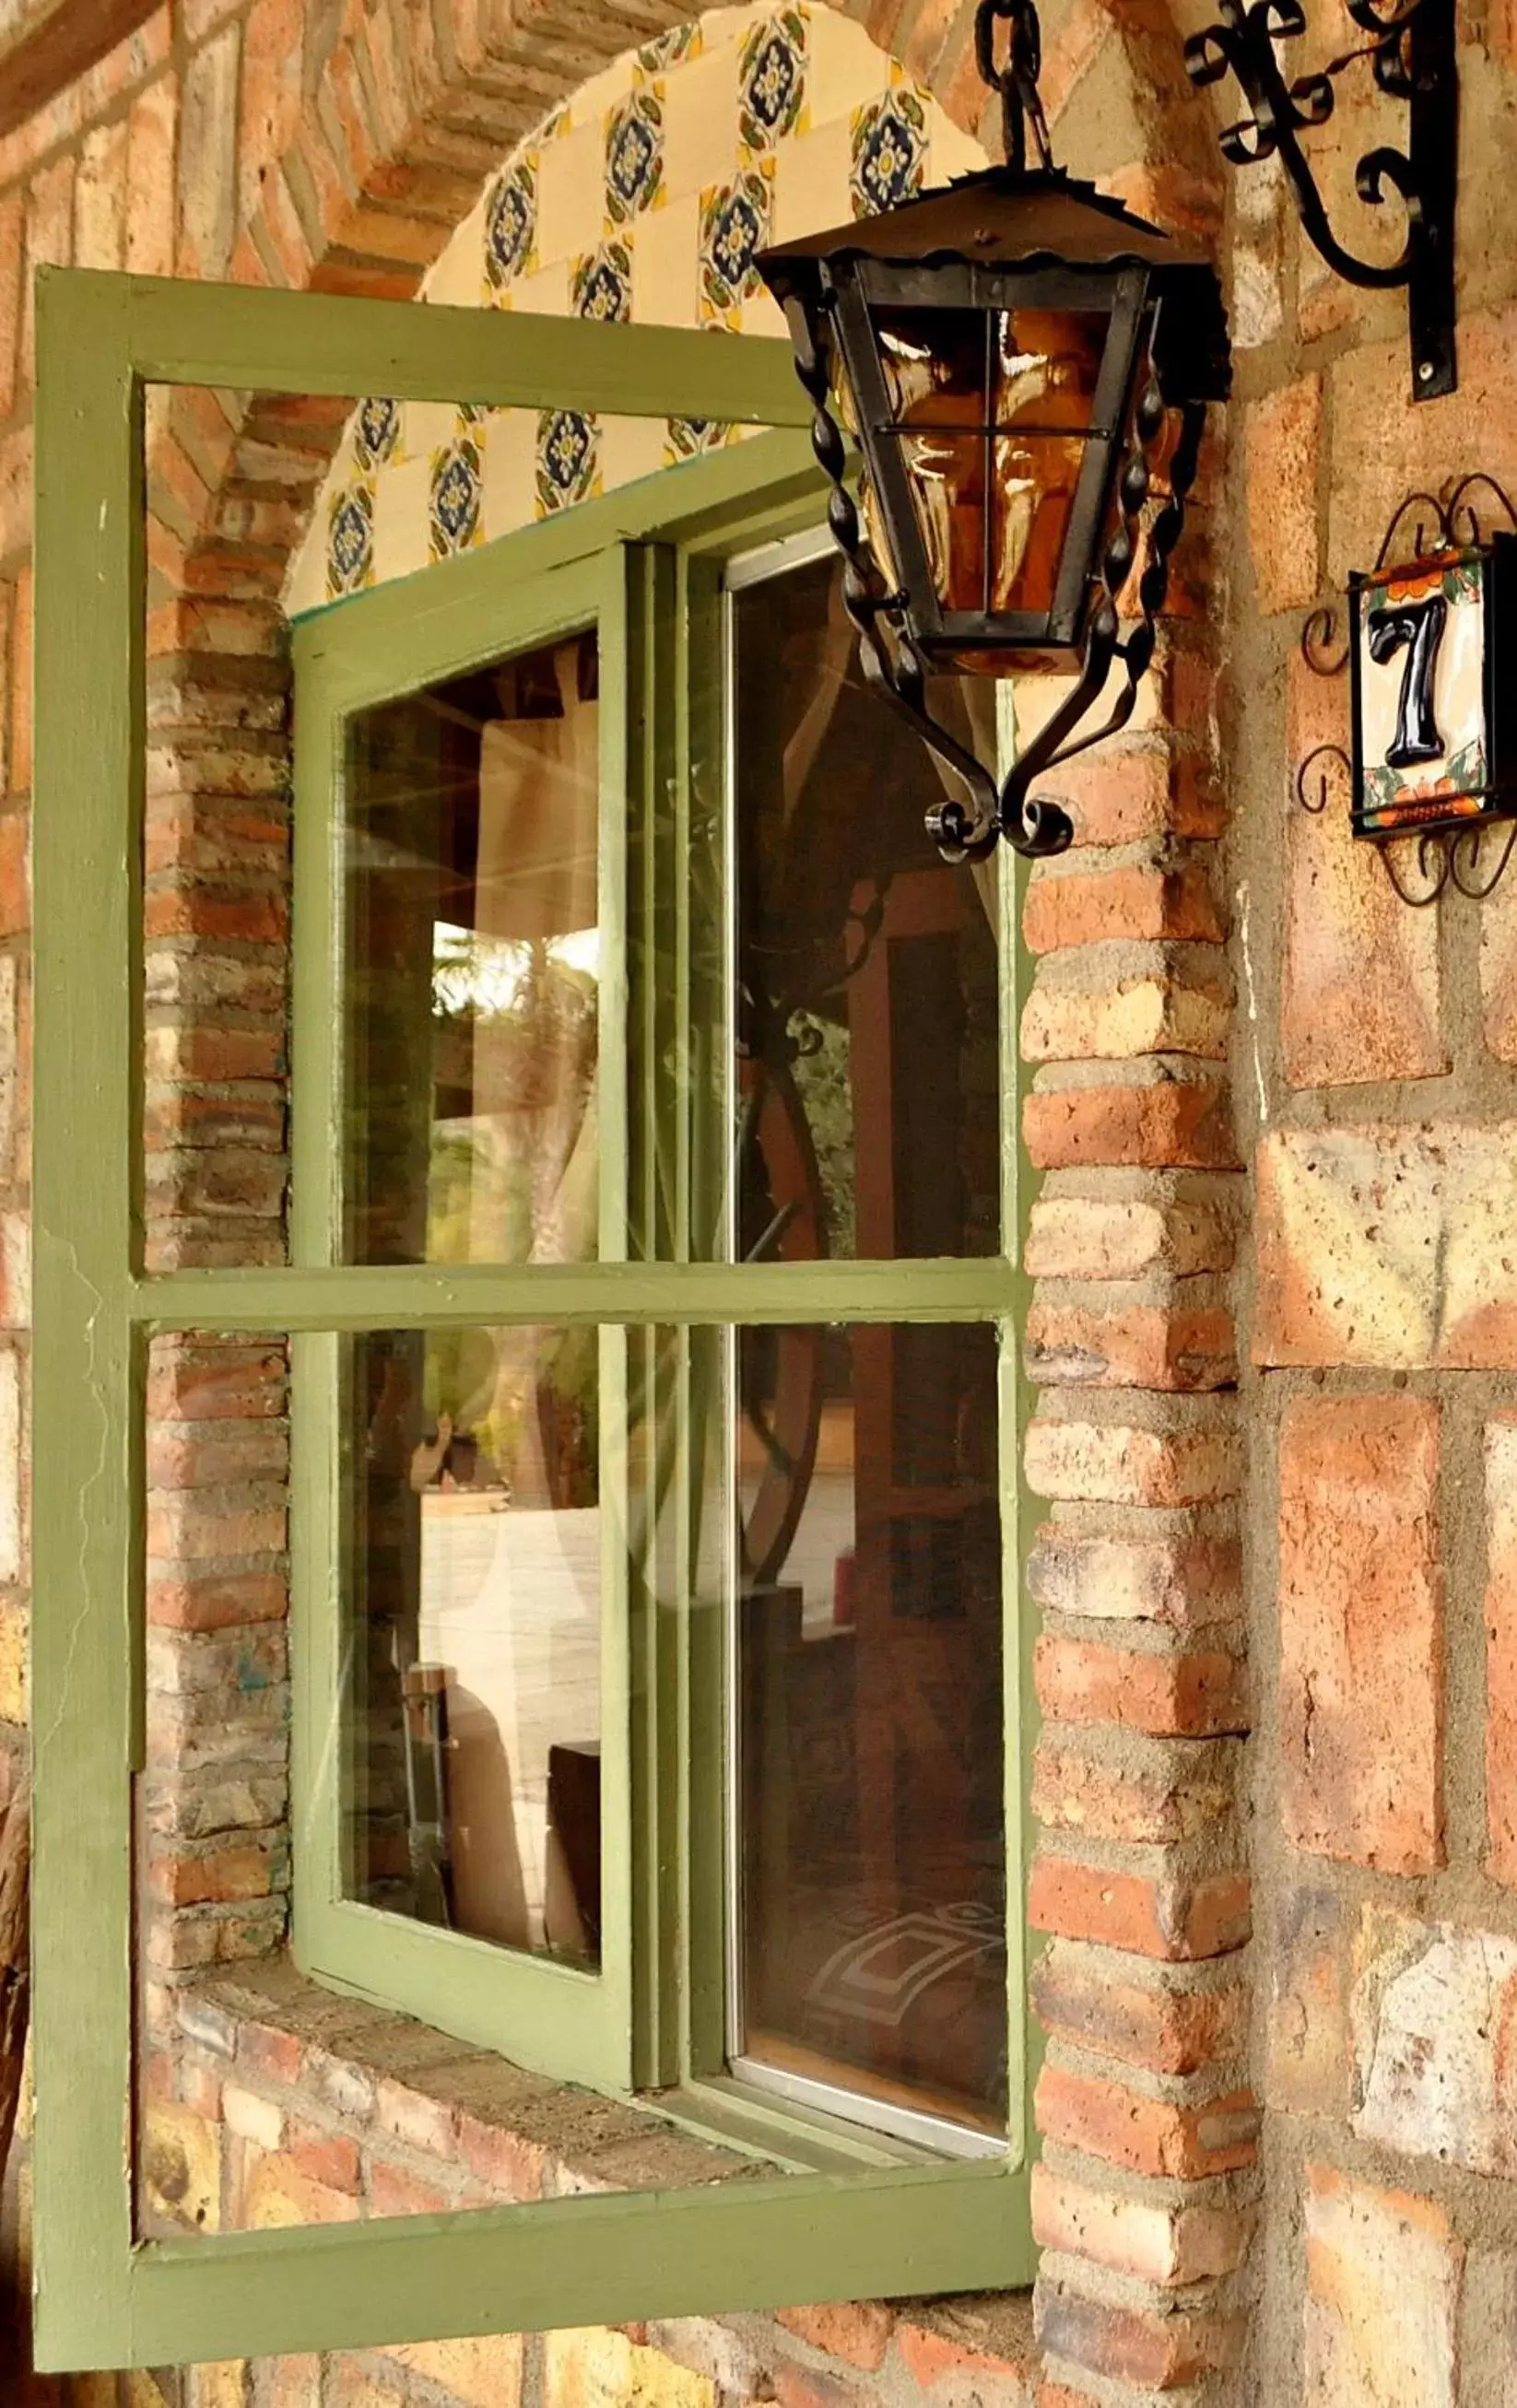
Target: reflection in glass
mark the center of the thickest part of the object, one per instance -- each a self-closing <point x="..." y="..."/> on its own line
<point x="867" y="1119"/>
<point x="872" y="1854"/>
<point x="470" y="873"/>
<point x="472" y="1604"/>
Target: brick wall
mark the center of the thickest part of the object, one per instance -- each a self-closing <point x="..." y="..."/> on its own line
<point x="1308" y="1529"/>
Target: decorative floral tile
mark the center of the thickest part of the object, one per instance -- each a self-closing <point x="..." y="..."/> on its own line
<point x="569" y="463"/>
<point x="688" y="438"/>
<point x="376" y="432"/>
<point x="510" y="223"/>
<point x="681" y="44"/>
<point x="771" y="80"/>
<point x="600" y="284"/>
<point x="635" y="154"/>
<point x="350" y="538"/>
<point x="889" y="152"/>
<point x="453" y="500"/>
<point x="735" y="228"/>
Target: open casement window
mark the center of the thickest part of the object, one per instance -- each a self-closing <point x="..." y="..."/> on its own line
<point x="656" y="1653"/>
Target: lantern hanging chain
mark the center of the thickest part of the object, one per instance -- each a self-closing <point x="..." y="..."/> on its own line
<point x="1016" y="78"/>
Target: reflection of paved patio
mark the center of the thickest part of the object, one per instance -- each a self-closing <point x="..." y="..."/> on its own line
<point x="511" y="1607"/>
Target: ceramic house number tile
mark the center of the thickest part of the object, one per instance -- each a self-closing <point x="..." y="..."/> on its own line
<point x="1424" y="694"/>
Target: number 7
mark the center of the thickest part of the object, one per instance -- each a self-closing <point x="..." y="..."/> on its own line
<point x="1419" y="625"/>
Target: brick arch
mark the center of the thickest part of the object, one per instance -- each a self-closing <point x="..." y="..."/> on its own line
<point x="1147" y="2119"/>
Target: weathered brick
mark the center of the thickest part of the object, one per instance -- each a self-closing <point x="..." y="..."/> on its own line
<point x="1432" y="2009"/>
<point x="1096" y="1010"/>
<point x="1162" y="2352"/>
<point x="1362" y="985"/>
<point x="1145" y="2134"/>
<point x="1104" y="1236"/>
<point x="1281" y="436"/>
<point x="598" y="2369"/>
<point x="1115" y="1463"/>
<point x="1195" y="1695"/>
<point x="1306" y="2032"/>
<point x="215" y="1602"/>
<point x="1186" y="1582"/>
<point x="1178" y="1124"/>
<point x="1154" y="2241"/>
<point x="858" y="2332"/>
<point x="1085" y="1335"/>
<point x="1501" y="1648"/>
<point x="1153" y="1795"/>
<point x="1174" y="1918"/>
<point x="182" y="2167"/>
<point x="150" y="180"/>
<point x="1383" y="2279"/>
<point x="1071" y="904"/>
<point x="1121" y="795"/>
<point x="1361" y="1603"/>
<point x="277" y="2193"/>
<point x="328" y="2156"/>
<point x="12" y="259"/>
<point x="208" y="157"/>
<point x="482" y="2373"/>
<point x="100" y="198"/>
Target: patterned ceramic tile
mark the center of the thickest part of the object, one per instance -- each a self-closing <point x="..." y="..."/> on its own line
<point x="735" y="228"/>
<point x="889" y="152"/>
<point x="687" y="437"/>
<point x="453" y="502"/>
<point x="674" y="49"/>
<point x="600" y="284"/>
<point x="635" y="154"/>
<point x="510" y="223"/>
<point x="350" y="538"/>
<point x="375" y="433"/>
<point x="771" y="80"/>
<point x="569" y="460"/>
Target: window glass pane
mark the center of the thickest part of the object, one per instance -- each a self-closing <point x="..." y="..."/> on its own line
<point x="869" y="1809"/>
<point x="866" y="1108"/>
<point x="470" y="866"/>
<point x="472" y="1608"/>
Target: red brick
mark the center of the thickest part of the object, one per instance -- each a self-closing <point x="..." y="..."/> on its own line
<point x="1308" y="2050"/>
<point x="239" y="1382"/>
<point x="1146" y="2135"/>
<point x="1171" y="1123"/>
<point x="1080" y="907"/>
<point x="1282" y="438"/>
<point x="1501" y="1648"/>
<point x="221" y="1879"/>
<point x="933" y="2358"/>
<point x="1178" y="1921"/>
<point x="246" y="919"/>
<point x="1160" y="2352"/>
<point x="1118" y="794"/>
<point x="1175" y="1346"/>
<point x="49" y="242"/>
<point x="1361" y="1603"/>
<point x="327" y="2156"/>
<point x="15" y="884"/>
<point x="217" y="1604"/>
<point x="100" y="198"/>
<point x="1100" y="1237"/>
<point x="857" y="2331"/>
<point x="392" y="2190"/>
<point x="1192" y="1695"/>
<point x="277" y="2193"/>
<point x="1383" y="2279"/>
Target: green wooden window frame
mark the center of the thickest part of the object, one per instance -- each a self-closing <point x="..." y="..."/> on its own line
<point x="849" y="2221"/>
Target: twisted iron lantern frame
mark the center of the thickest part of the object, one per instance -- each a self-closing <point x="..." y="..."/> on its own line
<point x="1162" y="304"/>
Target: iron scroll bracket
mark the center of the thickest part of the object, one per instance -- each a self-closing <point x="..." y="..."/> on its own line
<point x="1412" y="47"/>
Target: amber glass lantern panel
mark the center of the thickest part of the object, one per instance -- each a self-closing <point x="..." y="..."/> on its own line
<point x="991" y="412"/>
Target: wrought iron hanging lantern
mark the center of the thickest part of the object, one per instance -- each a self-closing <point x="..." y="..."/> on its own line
<point x="1024" y="367"/>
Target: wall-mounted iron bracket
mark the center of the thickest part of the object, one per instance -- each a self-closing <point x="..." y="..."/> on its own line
<point x="1411" y="49"/>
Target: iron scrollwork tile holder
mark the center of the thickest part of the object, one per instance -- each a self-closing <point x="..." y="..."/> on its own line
<point x="1410" y="47"/>
<point x="1437" y="857"/>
